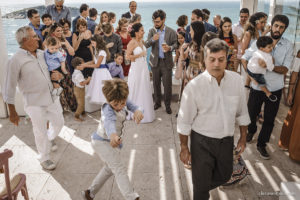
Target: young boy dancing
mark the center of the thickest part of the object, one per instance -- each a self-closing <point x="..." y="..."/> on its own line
<point x="107" y="141"/>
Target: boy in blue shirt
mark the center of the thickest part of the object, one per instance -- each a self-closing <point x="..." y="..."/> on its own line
<point x="55" y="61"/>
<point x="108" y="137"/>
<point x="115" y="68"/>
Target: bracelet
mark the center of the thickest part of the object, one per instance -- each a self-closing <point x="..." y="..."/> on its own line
<point x="292" y="83"/>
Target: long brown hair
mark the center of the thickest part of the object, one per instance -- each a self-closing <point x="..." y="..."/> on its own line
<point x="100" y="45"/>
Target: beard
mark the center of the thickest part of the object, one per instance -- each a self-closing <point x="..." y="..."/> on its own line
<point x="276" y="37"/>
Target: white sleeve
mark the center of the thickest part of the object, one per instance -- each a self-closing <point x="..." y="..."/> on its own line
<point x="187" y="111"/>
<point x="102" y="53"/>
<point x="296" y="65"/>
<point x="269" y="62"/>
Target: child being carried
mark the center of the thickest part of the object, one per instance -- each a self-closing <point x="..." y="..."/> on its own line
<point x="260" y="62"/>
<point x="55" y="61"/>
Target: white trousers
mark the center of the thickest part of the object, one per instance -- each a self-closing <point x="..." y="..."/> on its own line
<point x="112" y="166"/>
<point x="39" y="115"/>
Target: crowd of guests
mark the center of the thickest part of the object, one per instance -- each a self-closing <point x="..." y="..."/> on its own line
<point x="58" y="69"/>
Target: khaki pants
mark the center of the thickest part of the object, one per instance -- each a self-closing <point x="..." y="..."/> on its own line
<point x="80" y="95"/>
<point x="112" y="166"/>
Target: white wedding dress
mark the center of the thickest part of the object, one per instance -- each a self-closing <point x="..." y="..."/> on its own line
<point x="140" y="89"/>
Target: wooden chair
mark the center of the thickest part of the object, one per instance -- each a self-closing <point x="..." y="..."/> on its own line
<point x="16" y="184"/>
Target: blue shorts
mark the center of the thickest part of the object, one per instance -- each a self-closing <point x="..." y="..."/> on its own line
<point x="259" y="78"/>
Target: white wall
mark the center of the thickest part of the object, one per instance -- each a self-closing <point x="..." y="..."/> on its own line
<point x="3" y="59"/>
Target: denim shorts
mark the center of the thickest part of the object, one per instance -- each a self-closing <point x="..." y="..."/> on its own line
<point x="259" y="78"/>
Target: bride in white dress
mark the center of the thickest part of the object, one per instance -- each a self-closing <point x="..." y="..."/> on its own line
<point x="140" y="89"/>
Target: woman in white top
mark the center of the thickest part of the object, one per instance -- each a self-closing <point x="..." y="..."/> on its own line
<point x="140" y="91"/>
<point x="101" y="73"/>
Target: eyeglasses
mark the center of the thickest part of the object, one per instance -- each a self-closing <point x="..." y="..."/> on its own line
<point x="58" y="6"/>
<point x="156" y="22"/>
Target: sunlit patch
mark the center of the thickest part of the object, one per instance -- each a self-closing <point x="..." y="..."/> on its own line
<point x="131" y="163"/>
<point x="279" y="173"/>
<point x="268" y="176"/>
<point x="253" y="172"/>
<point x="135" y="135"/>
<point x="222" y="194"/>
<point x="159" y="119"/>
<point x="1" y="125"/>
<point x="162" y="181"/>
<point x="176" y="179"/>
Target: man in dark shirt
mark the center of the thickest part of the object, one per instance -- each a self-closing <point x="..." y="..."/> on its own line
<point x="91" y="24"/>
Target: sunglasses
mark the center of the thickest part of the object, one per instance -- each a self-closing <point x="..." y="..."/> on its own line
<point x="58" y="6"/>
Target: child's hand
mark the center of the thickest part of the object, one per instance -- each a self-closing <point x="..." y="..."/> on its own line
<point x="115" y="140"/>
<point x="144" y="53"/>
<point x="262" y="63"/>
<point x="138" y="116"/>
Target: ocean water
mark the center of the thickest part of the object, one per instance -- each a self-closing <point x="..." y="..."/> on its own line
<point x="173" y="11"/>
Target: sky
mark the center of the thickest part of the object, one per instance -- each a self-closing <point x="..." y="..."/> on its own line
<point x="38" y="2"/>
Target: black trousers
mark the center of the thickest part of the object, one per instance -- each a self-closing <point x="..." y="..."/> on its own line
<point x="256" y="99"/>
<point x="211" y="163"/>
<point x="161" y="71"/>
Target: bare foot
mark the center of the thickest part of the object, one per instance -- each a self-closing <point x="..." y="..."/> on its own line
<point x="78" y="119"/>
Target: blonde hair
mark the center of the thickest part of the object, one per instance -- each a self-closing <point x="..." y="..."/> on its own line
<point x="121" y="23"/>
<point x="115" y="90"/>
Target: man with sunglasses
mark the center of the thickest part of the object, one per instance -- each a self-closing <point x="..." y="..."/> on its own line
<point x="283" y="57"/>
<point x="58" y="11"/>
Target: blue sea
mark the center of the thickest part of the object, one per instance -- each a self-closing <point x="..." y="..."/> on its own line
<point x="173" y="11"/>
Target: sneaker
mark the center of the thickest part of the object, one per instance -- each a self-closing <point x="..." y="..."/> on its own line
<point x="59" y="91"/>
<point x="249" y="137"/>
<point x="48" y="165"/>
<point x="272" y="98"/>
<point x="263" y="153"/>
<point x="86" y="195"/>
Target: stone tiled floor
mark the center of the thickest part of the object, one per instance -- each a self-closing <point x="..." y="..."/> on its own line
<point x="151" y="155"/>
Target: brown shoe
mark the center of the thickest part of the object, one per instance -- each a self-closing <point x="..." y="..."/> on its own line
<point x="86" y="195"/>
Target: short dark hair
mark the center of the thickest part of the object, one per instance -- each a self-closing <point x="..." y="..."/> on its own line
<point x="263" y="41"/>
<point x="159" y="13"/>
<point x="76" y="62"/>
<point x="181" y="21"/>
<point x="83" y="7"/>
<point x="198" y="13"/>
<point x="281" y="18"/>
<point x="93" y="12"/>
<point x="206" y="11"/>
<point x="215" y="45"/>
<point x="46" y="16"/>
<point x="30" y="12"/>
<point x="52" y="41"/>
<point x="131" y="2"/>
<point x="244" y="10"/>
<point x="118" y="54"/>
<point x="64" y="21"/>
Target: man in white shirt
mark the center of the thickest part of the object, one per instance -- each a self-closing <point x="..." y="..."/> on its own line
<point x="28" y="70"/>
<point x="211" y="105"/>
<point x="238" y="30"/>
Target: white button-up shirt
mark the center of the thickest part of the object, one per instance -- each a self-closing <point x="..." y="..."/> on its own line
<point x="77" y="78"/>
<point x="31" y="75"/>
<point x="211" y="109"/>
<point x="238" y="30"/>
